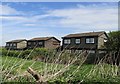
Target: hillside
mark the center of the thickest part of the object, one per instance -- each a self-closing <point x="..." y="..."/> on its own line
<point x="15" y="69"/>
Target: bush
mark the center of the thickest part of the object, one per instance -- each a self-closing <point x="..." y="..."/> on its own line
<point x="29" y="54"/>
<point x="12" y="53"/>
<point x="41" y="53"/>
<point x="25" y="54"/>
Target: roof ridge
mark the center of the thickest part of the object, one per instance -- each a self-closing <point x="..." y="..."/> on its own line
<point x="91" y="32"/>
<point x="86" y="34"/>
<point x="42" y="37"/>
<point x="16" y="40"/>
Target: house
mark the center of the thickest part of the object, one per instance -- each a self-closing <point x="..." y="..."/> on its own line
<point x="16" y="44"/>
<point x="43" y="42"/>
<point x="90" y="41"/>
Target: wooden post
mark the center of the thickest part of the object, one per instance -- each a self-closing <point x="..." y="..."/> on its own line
<point x="35" y="75"/>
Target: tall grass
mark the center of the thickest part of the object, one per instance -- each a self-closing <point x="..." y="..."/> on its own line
<point x="59" y="66"/>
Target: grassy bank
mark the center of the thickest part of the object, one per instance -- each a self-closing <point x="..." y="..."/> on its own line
<point x="15" y="69"/>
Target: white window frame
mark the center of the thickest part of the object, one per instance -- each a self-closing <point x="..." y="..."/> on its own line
<point x="34" y="43"/>
<point x="7" y="44"/>
<point x="90" y="40"/>
<point x="77" y="41"/>
<point x="14" y="44"/>
<point x="10" y="44"/>
<point x="29" y="43"/>
<point x="67" y="41"/>
<point x="105" y="40"/>
<point x="40" y="43"/>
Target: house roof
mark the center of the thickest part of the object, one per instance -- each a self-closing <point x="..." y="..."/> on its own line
<point x="17" y="41"/>
<point x="86" y="34"/>
<point x="43" y="38"/>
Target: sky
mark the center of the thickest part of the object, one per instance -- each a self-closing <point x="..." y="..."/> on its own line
<point x="60" y="0"/>
<point x="41" y="19"/>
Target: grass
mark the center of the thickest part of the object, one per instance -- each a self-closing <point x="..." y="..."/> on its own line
<point x="63" y="67"/>
<point x="18" y="63"/>
<point x="88" y="73"/>
<point x="19" y="66"/>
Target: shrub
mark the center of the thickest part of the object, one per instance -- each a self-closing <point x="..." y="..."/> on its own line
<point x="25" y="54"/>
<point x="29" y="54"/>
<point x="41" y="53"/>
<point x="12" y="53"/>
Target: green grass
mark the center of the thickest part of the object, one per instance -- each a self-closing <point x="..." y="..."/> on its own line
<point x="17" y="63"/>
<point x="20" y="66"/>
<point x="85" y="72"/>
<point x="23" y="64"/>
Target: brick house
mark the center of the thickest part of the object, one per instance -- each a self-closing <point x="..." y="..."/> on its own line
<point x="43" y="42"/>
<point x="90" y="41"/>
<point x="16" y="44"/>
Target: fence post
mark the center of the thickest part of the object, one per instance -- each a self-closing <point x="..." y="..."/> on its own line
<point x="35" y="75"/>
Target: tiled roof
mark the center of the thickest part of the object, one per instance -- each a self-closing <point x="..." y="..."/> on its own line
<point x="42" y="38"/>
<point x="18" y="40"/>
<point x="85" y="34"/>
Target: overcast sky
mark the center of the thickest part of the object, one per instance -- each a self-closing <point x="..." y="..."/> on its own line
<point x="39" y="19"/>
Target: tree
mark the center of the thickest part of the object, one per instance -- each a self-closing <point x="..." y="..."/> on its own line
<point x="113" y="42"/>
<point x="113" y="45"/>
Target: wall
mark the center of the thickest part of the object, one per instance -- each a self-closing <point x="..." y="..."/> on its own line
<point x="101" y="41"/>
<point x="22" y="44"/>
<point x="83" y="44"/>
<point x="11" y="47"/>
<point x="50" y="44"/>
<point x="32" y="45"/>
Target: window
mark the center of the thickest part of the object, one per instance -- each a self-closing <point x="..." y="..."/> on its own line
<point x="89" y="40"/>
<point x="67" y="41"/>
<point x="34" y="43"/>
<point x="11" y="44"/>
<point x="14" y="44"/>
<point x="105" y="40"/>
<point x="29" y="43"/>
<point x="77" y="41"/>
<point x="7" y="44"/>
<point x="40" y="43"/>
